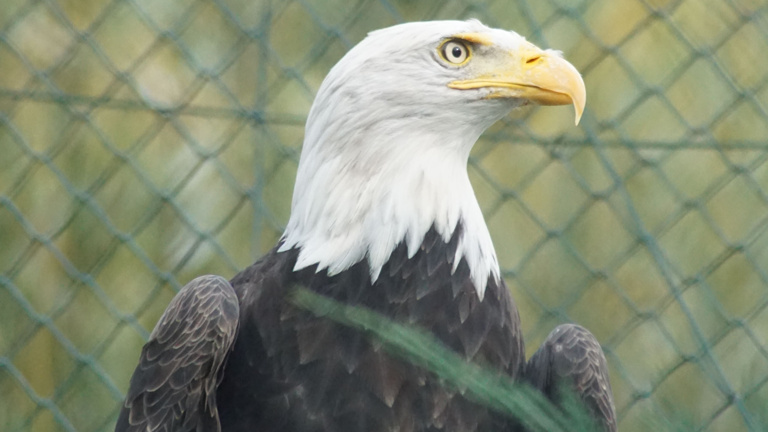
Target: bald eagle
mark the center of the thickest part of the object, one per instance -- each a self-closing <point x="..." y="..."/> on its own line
<point x="383" y="217"/>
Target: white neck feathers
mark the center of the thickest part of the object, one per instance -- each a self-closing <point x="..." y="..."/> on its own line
<point x="355" y="205"/>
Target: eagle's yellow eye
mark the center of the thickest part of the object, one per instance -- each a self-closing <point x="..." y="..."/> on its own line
<point x="455" y="52"/>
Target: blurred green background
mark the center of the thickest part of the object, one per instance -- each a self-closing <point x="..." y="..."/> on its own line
<point x="145" y="142"/>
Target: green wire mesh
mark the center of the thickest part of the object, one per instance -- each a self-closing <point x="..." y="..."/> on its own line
<point x="145" y="142"/>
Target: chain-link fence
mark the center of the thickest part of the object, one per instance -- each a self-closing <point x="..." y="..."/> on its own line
<point x="145" y="142"/>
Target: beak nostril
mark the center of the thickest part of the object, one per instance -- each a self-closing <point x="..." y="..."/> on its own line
<point x="533" y="60"/>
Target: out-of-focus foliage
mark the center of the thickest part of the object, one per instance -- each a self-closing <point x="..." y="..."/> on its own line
<point x="145" y="142"/>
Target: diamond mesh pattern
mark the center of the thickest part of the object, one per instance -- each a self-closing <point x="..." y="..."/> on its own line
<point x="145" y="142"/>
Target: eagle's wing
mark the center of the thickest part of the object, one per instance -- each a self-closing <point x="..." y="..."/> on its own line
<point x="174" y="385"/>
<point x="572" y="355"/>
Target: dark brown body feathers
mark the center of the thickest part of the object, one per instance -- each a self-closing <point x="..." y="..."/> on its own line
<point x="314" y="375"/>
<point x="241" y="356"/>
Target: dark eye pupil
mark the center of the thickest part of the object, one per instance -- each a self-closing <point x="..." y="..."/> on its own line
<point x="456" y="52"/>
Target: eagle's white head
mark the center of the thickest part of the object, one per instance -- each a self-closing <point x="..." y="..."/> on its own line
<point x="389" y="135"/>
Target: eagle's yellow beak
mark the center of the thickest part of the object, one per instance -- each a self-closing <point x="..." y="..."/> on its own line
<point x="540" y="76"/>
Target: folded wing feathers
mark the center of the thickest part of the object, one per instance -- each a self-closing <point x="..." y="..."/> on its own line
<point x="571" y="355"/>
<point x="173" y="388"/>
